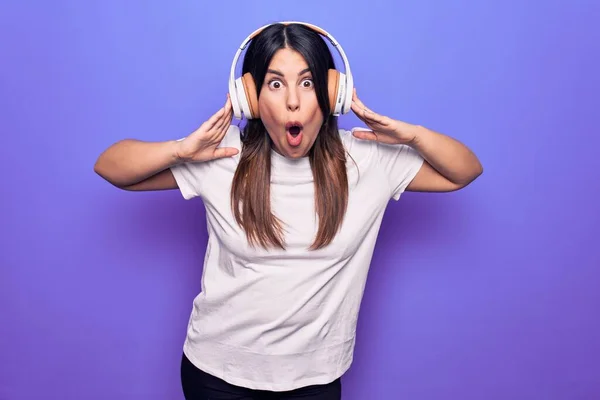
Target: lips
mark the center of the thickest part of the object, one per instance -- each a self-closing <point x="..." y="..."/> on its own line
<point x="294" y="133"/>
<point x="294" y="127"/>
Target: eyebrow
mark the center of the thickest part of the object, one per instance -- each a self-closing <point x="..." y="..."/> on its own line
<point x="305" y="70"/>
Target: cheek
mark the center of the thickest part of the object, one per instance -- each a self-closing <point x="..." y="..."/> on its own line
<point x="316" y="117"/>
<point x="268" y="111"/>
<point x="314" y="109"/>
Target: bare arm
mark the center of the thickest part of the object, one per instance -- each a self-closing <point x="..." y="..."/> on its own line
<point x="137" y="165"/>
<point x="130" y="162"/>
<point x="449" y="165"/>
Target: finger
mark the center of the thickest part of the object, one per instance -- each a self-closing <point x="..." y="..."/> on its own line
<point x="225" y="122"/>
<point x="375" y="118"/>
<point x="220" y="133"/>
<point x="222" y="121"/>
<point x="223" y="152"/>
<point x="358" y="101"/>
<point x="355" y="96"/>
<point x="222" y="112"/>
<point x="210" y="123"/>
<point x="358" y="108"/>
<point x="358" y="111"/>
<point x="217" y="134"/>
<point x="364" y="111"/>
<point x="365" y="135"/>
<point x="220" y="127"/>
<point x="369" y="116"/>
<point x="226" y="107"/>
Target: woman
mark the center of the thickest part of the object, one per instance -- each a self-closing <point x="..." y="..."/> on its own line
<point x="293" y="208"/>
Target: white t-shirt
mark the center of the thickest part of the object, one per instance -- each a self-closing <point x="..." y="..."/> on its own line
<point x="278" y="320"/>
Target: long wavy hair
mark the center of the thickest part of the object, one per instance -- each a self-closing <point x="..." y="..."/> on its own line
<point x="250" y="193"/>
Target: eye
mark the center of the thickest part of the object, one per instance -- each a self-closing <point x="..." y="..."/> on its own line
<point x="307" y="83"/>
<point x="274" y="84"/>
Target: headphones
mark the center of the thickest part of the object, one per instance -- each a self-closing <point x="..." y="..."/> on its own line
<point x="243" y="94"/>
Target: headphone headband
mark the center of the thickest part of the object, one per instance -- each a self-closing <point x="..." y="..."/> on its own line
<point x="345" y="96"/>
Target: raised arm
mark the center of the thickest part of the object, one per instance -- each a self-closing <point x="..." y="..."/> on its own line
<point x="448" y="164"/>
<point x="130" y="164"/>
<point x="138" y="165"/>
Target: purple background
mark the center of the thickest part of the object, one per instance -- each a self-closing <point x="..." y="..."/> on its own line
<point x="486" y="293"/>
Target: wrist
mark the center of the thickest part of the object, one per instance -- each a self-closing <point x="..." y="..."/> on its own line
<point x="174" y="151"/>
<point x="411" y="134"/>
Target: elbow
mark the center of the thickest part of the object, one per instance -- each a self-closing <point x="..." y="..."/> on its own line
<point x="103" y="171"/>
<point x="469" y="177"/>
<point x="476" y="173"/>
<point x="478" y="170"/>
<point x="98" y="168"/>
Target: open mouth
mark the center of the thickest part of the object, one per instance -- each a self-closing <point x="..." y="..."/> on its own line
<point x="294" y="133"/>
<point x="294" y="128"/>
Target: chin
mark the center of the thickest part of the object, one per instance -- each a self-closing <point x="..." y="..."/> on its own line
<point x="300" y="155"/>
<point x="295" y="152"/>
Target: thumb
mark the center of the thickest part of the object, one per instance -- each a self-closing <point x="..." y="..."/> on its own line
<point x="364" y="134"/>
<point x="223" y="152"/>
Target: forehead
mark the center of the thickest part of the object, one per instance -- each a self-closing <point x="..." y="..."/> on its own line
<point x="288" y="61"/>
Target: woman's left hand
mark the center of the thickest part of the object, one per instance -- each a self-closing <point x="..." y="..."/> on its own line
<point x="383" y="129"/>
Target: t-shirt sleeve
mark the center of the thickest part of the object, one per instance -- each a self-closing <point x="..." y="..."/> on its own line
<point x="190" y="176"/>
<point x="399" y="164"/>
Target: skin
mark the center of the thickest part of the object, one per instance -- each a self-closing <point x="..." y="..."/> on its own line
<point x="288" y="94"/>
<point x="449" y="165"/>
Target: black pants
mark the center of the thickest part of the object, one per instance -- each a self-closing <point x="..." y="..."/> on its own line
<point x="198" y="385"/>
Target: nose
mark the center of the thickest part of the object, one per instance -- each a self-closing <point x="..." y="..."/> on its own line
<point x="293" y="100"/>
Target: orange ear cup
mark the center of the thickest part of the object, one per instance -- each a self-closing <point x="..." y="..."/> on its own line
<point x="251" y="96"/>
<point x="333" y="80"/>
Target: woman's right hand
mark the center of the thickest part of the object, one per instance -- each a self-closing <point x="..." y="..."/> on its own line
<point x="201" y="145"/>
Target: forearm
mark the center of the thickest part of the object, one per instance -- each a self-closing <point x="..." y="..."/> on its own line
<point x="130" y="161"/>
<point x="455" y="161"/>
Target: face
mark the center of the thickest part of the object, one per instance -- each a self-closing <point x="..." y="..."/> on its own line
<point x="288" y="104"/>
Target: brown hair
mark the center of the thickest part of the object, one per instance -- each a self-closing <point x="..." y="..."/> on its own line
<point x="250" y="193"/>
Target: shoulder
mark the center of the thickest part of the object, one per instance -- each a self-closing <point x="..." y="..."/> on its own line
<point x="363" y="150"/>
<point x="199" y="178"/>
<point x="232" y="138"/>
